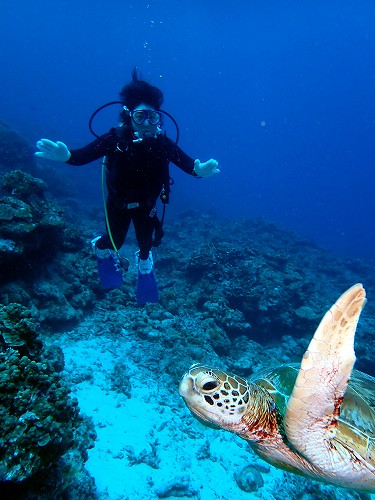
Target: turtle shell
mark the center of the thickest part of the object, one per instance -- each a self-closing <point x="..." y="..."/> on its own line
<point x="356" y="425"/>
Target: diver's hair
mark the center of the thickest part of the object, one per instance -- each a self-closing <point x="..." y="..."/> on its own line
<point x="137" y="92"/>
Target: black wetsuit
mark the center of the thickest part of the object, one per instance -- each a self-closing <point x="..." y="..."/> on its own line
<point x="136" y="174"/>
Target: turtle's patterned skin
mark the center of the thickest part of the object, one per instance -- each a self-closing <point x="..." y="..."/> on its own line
<point x="302" y="418"/>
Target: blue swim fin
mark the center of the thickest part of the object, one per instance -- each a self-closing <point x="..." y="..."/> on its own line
<point x="110" y="272"/>
<point x="147" y="288"/>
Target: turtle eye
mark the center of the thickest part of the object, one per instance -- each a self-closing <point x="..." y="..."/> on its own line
<point x="211" y="385"/>
<point x="206" y="382"/>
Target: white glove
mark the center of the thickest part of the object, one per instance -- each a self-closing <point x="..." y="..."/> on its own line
<point x="49" y="150"/>
<point x="206" y="169"/>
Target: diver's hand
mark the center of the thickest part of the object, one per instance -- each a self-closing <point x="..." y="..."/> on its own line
<point x="206" y="169"/>
<point x="49" y="150"/>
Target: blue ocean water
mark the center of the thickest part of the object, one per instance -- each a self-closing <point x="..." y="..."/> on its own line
<point x="280" y="93"/>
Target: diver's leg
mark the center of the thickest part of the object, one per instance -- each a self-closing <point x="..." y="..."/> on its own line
<point x="117" y="227"/>
<point x="147" y="289"/>
<point x="144" y="230"/>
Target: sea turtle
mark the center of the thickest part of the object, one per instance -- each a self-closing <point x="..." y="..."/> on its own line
<point x="302" y="418"/>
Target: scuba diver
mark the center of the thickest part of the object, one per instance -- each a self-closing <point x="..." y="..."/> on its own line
<point x="136" y="164"/>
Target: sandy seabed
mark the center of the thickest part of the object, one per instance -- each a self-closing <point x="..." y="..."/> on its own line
<point x="148" y="425"/>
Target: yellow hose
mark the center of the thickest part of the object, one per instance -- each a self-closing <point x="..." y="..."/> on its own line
<point x="104" y="163"/>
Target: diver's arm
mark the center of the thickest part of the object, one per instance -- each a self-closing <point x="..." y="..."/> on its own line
<point x="58" y="151"/>
<point x="179" y="157"/>
<point x="96" y="149"/>
<point x="190" y="166"/>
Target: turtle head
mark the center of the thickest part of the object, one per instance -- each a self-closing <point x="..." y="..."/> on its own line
<point x="214" y="396"/>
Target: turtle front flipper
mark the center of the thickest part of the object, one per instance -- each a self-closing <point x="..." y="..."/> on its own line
<point x="313" y="409"/>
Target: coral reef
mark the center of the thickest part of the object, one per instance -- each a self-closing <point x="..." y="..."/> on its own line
<point x="33" y="230"/>
<point x="258" y="281"/>
<point x="41" y="426"/>
<point x="228" y="279"/>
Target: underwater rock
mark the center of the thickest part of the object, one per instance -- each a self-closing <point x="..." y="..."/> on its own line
<point x="16" y="218"/>
<point x="18" y="330"/>
<point x="75" y="482"/>
<point x="231" y="320"/>
<point x="178" y="487"/>
<point x="120" y="379"/>
<point x="306" y="312"/>
<point x="55" y="357"/>
<point x="292" y="486"/>
<point x="28" y="191"/>
<point x="73" y="240"/>
<point x="247" y="357"/>
<point x="14" y="150"/>
<point x="249" y="478"/>
<point x="267" y="275"/>
<point x="32" y="232"/>
<point x="23" y="186"/>
<point x="202" y="262"/>
<point x="71" y="292"/>
<point x="219" y="340"/>
<point x="9" y="248"/>
<point x="14" y="292"/>
<point x="149" y="457"/>
<point x="31" y="228"/>
<point x="52" y="305"/>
